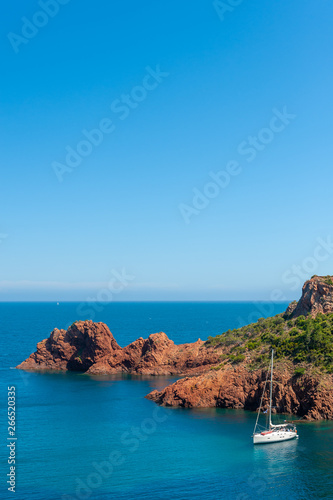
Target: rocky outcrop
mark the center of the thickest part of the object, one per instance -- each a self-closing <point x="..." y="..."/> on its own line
<point x="290" y="309"/>
<point x="85" y="344"/>
<point x="90" y="347"/>
<point x="236" y="387"/>
<point x="317" y="297"/>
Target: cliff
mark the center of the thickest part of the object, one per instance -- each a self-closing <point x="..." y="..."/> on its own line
<point x="317" y="298"/>
<point x="236" y="387"/>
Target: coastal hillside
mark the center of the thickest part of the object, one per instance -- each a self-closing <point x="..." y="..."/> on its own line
<point x="226" y="371"/>
<point x="302" y="339"/>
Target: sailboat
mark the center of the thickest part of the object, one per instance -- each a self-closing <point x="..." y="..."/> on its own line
<point x="272" y="433"/>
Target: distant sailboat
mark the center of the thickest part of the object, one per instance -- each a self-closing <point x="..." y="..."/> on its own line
<point x="272" y="433"/>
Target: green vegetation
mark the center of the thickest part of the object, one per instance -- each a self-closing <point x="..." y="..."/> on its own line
<point x="326" y="279"/>
<point x="237" y="359"/>
<point x="79" y="354"/>
<point x="299" y="371"/>
<point x="303" y="340"/>
<point x="217" y="367"/>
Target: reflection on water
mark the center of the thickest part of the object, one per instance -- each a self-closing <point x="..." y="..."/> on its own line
<point x="305" y="466"/>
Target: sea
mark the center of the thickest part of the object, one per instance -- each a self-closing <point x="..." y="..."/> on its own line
<point x="79" y="437"/>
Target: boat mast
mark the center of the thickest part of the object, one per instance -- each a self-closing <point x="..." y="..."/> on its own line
<point x="270" y="393"/>
<point x="261" y="400"/>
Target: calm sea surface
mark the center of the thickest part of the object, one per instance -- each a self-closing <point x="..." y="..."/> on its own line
<point x="81" y="437"/>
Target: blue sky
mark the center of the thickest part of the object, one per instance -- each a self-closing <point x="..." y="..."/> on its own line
<point x="219" y="84"/>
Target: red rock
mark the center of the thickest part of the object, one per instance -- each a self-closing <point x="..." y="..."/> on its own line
<point x="317" y="297"/>
<point x="84" y="344"/>
<point x="90" y="347"/>
<point x="238" y="388"/>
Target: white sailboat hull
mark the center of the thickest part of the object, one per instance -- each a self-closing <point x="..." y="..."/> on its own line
<point x="274" y="436"/>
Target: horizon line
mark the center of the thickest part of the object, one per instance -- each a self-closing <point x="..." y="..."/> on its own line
<point x="138" y="301"/>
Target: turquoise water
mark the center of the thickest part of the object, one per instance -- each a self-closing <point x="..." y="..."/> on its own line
<point x="82" y="437"/>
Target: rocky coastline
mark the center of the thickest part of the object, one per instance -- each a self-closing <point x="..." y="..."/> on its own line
<point x="212" y="375"/>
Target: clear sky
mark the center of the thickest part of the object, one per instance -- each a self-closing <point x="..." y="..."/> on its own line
<point x="179" y="91"/>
